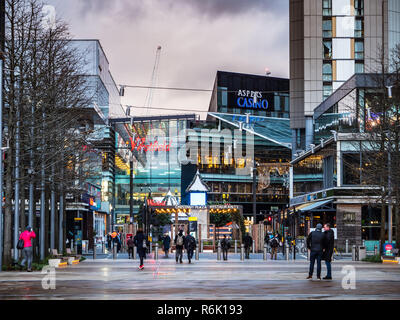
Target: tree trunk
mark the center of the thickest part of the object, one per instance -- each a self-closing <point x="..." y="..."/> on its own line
<point x="8" y="215"/>
<point x="22" y="221"/>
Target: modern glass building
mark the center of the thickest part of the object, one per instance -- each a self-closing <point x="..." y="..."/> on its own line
<point x="330" y="41"/>
<point x="330" y="182"/>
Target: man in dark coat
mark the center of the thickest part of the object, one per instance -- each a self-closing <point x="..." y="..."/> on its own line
<point x="166" y="244"/>
<point x="225" y="245"/>
<point x="179" y="243"/>
<point x="141" y="244"/>
<point x="315" y="243"/>
<point x="248" y="242"/>
<point x="190" y="245"/>
<point x="328" y="246"/>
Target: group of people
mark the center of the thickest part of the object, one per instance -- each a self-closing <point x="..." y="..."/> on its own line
<point x="114" y="239"/>
<point x="320" y="244"/>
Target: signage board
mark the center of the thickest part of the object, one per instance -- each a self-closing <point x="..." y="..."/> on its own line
<point x="388" y="249"/>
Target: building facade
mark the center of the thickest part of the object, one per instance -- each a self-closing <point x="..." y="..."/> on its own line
<point x="330" y="40"/>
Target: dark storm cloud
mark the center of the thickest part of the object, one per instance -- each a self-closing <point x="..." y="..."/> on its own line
<point x="214" y="8"/>
<point x="210" y="8"/>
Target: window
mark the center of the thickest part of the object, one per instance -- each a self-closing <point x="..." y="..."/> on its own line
<point x="327" y="90"/>
<point x="359" y="50"/>
<point x="359" y="28"/>
<point x="327" y="7"/>
<point x="359" y="7"/>
<point x="327" y="28"/>
<point x="327" y="71"/>
<point x="328" y="49"/>
<point x="359" y="67"/>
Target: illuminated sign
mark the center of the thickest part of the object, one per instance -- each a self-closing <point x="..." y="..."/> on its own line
<point x="251" y="99"/>
<point x="154" y="203"/>
<point x="140" y="145"/>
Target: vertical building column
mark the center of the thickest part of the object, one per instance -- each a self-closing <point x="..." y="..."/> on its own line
<point x="309" y="132"/>
<point x="338" y="165"/>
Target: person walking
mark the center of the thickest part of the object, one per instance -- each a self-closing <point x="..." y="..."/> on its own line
<point x="109" y="240"/>
<point x="190" y="245"/>
<point x="119" y="241"/>
<point x="179" y="242"/>
<point x="315" y="243"/>
<point x="141" y="243"/>
<point x="27" y="252"/>
<point x="328" y="246"/>
<point x="166" y="244"/>
<point x="225" y="245"/>
<point x="274" y="243"/>
<point x="248" y="242"/>
<point x="130" y="245"/>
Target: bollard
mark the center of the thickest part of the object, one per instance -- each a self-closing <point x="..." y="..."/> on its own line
<point x="308" y="255"/>
<point x="254" y="246"/>
<point x="103" y="247"/>
<point x="197" y="256"/>
<point x="219" y="250"/>
<point x="202" y="246"/>
<point x="242" y="252"/>
<point x="114" y="252"/>
<point x="151" y="247"/>
<point x="265" y="252"/>
<point x="353" y="253"/>
<point x="236" y="246"/>
<point x="134" y="253"/>
<point x="156" y="252"/>
<point x="347" y="246"/>
<point x="94" y="251"/>
<point x="363" y="243"/>
<point x="375" y="250"/>
<point x="76" y="247"/>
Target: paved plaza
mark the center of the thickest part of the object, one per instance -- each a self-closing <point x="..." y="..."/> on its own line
<point x="207" y="279"/>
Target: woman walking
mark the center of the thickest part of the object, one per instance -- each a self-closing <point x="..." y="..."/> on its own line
<point x="27" y="252"/>
<point x="141" y="244"/>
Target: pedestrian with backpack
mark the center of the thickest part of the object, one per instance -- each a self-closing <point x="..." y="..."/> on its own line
<point x="179" y="243"/>
<point x="274" y="243"/>
<point x="141" y="244"/>
<point x="190" y="245"/>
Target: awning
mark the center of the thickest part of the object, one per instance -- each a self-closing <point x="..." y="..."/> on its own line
<point x="313" y="206"/>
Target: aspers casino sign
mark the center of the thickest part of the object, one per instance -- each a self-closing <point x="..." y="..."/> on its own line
<point x="251" y="100"/>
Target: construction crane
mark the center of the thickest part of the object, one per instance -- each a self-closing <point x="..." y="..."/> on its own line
<point x="153" y="81"/>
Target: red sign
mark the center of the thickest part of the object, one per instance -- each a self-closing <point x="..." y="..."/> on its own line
<point x="140" y="144"/>
<point x="151" y="202"/>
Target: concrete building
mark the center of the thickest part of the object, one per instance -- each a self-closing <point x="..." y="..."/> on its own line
<point x="331" y="40"/>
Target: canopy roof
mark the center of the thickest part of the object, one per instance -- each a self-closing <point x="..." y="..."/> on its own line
<point x="276" y="130"/>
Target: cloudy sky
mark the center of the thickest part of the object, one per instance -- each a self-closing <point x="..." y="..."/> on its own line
<point x="198" y="37"/>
